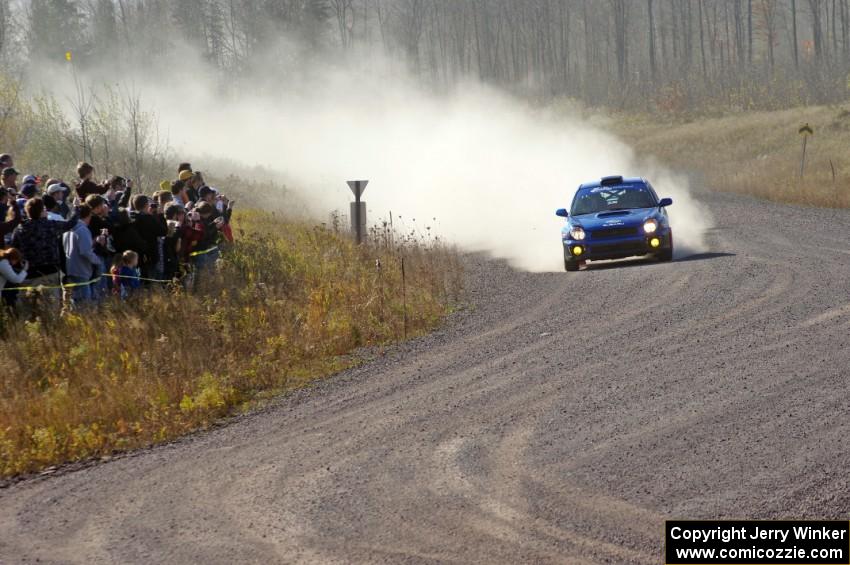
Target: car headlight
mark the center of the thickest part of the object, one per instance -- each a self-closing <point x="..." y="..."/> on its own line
<point x="577" y="232"/>
<point x="650" y="226"/>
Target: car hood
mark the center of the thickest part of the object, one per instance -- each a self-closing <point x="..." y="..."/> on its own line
<point x="617" y="218"/>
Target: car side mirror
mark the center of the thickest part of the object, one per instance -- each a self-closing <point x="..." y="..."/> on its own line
<point x="665" y="202"/>
<point x="562" y="212"/>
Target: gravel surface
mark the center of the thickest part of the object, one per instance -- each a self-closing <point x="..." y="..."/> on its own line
<point x="561" y="418"/>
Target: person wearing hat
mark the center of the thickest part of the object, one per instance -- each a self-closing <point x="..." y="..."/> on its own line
<point x="52" y="207"/>
<point x="223" y="207"/>
<point x="207" y="194"/>
<point x="188" y="179"/>
<point x="28" y="190"/>
<point x="60" y="191"/>
<point x="6" y="161"/>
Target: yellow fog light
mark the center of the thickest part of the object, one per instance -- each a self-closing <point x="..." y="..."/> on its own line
<point x="577" y="250"/>
<point x="654" y="242"/>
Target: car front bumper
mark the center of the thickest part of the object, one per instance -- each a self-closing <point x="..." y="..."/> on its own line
<point x="617" y="248"/>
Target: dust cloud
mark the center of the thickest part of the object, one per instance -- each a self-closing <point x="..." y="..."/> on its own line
<point x="473" y="166"/>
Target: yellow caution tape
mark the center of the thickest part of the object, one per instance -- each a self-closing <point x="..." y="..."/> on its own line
<point x="72" y="285"/>
<point x="49" y="287"/>
<point x="138" y="278"/>
<point x="205" y="251"/>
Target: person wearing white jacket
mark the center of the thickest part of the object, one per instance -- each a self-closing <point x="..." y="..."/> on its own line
<point x="9" y="259"/>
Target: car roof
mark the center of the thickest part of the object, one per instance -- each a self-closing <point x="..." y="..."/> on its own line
<point x="619" y="181"/>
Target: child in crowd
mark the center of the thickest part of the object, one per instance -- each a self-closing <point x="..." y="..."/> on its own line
<point x="85" y="241"/>
<point x="125" y="274"/>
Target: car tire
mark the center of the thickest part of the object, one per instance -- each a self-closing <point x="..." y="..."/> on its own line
<point x="666" y="254"/>
<point x="570" y="264"/>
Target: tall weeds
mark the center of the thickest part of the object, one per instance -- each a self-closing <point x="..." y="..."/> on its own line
<point x="755" y="153"/>
<point x="287" y="304"/>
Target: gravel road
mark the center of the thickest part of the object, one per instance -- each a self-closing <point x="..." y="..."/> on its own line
<point x="561" y="419"/>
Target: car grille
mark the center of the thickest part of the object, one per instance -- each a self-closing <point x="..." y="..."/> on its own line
<point x="611" y="233"/>
<point x="618" y="249"/>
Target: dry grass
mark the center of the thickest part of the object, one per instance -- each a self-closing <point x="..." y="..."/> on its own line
<point x="289" y="302"/>
<point x="755" y="153"/>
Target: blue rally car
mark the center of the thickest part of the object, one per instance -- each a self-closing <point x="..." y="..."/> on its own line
<point x="613" y="218"/>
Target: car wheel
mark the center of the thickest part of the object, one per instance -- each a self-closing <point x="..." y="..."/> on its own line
<point x="570" y="264"/>
<point x="666" y="254"/>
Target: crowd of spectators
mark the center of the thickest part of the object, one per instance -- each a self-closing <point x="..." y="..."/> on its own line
<point x="98" y="239"/>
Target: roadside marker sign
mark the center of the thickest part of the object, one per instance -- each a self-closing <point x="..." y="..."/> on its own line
<point x="357" y="187"/>
<point x="358" y="209"/>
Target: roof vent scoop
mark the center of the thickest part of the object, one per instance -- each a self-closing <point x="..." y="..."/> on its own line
<point x="608" y="181"/>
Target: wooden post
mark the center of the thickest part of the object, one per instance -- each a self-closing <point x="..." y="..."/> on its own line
<point x="805" y="130"/>
<point x="404" y="296"/>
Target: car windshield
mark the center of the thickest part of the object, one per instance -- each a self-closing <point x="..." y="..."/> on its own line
<point x="608" y="198"/>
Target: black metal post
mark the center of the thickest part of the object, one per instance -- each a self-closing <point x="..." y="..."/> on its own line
<point x="358" y="228"/>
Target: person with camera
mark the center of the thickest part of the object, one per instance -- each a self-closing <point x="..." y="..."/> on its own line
<point x="205" y="226"/>
<point x="150" y="228"/>
<point x="118" y="193"/>
<point x="223" y="208"/>
<point x="86" y="185"/>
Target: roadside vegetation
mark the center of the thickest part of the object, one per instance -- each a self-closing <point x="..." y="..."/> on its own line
<point x="290" y="303"/>
<point x="757" y="153"/>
